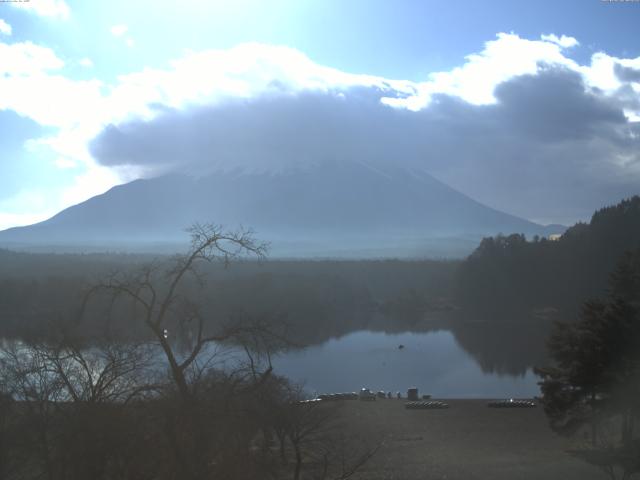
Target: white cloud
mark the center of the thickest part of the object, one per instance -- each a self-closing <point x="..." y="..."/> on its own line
<point x="563" y="41"/>
<point x="45" y="8"/>
<point x="51" y="100"/>
<point x="8" y="220"/>
<point x="64" y="163"/>
<point x="5" y="28"/>
<point x="244" y="71"/>
<point x="31" y="86"/>
<point x="118" y="30"/>
<point x="86" y="62"/>
<point x="24" y="208"/>
<point x="26" y="58"/>
<point x="93" y="181"/>
<point x="502" y="59"/>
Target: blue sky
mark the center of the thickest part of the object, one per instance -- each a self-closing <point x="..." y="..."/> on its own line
<point x="75" y="72"/>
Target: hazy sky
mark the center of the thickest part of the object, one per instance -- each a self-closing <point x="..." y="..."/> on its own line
<point x="532" y="107"/>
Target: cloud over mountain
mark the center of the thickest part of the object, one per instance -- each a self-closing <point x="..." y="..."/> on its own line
<point x="519" y="125"/>
<point x="549" y="140"/>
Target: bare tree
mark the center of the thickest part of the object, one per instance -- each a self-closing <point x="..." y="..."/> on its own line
<point x="312" y="441"/>
<point x="28" y="378"/>
<point x="165" y="297"/>
<point x="156" y="290"/>
<point x="71" y="418"/>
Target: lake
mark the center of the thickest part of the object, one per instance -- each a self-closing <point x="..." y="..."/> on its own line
<point x="434" y="362"/>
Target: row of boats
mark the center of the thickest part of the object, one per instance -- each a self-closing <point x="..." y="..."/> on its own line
<point x="511" y="403"/>
<point x="414" y="404"/>
<point x="508" y="403"/>
<point x="425" y="405"/>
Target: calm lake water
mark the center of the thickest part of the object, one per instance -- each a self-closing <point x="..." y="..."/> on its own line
<point x="433" y="362"/>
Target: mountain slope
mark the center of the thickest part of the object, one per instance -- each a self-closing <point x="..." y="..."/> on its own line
<point x="320" y="210"/>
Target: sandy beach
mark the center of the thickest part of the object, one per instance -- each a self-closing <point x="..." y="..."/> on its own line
<point x="466" y="441"/>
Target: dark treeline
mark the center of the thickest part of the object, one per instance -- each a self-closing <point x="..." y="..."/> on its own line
<point x="316" y="299"/>
<point x="510" y="290"/>
<point x="508" y="274"/>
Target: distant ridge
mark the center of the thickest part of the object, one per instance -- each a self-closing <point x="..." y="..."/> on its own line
<point x="333" y="209"/>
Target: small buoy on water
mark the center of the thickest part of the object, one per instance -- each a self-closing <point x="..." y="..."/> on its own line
<point x="400" y="347"/>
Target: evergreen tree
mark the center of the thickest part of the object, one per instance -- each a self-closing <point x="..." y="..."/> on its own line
<point x="595" y="382"/>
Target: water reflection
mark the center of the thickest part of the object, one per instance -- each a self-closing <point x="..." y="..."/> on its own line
<point x="434" y="362"/>
<point x="506" y="347"/>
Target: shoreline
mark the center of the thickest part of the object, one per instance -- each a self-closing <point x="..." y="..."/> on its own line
<point x="466" y="441"/>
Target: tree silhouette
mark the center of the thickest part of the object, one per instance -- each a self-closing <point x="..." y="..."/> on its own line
<point x="166" y="311"/>
<point x="595" y="381"/>
<point x="509" y="275"/>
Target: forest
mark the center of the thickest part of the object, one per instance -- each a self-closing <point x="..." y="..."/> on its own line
<point x="508" y="274"/>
